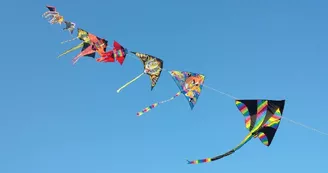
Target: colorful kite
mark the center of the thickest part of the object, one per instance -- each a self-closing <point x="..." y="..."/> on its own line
<point x="70" y="26"/>
<point x="55" y="16"/>
<point x="118" y="52"/>
<point x="152" y="66"/>
<point x="84" y="37"/>
<point x="96" y="45"/>
<point x="190" y="85"/>
<point x="262" y="119"/>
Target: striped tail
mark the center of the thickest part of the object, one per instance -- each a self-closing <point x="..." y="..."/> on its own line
<point x="147" y="109"/>
<point x="130" y="82"/>
<point x="200" y="161"/>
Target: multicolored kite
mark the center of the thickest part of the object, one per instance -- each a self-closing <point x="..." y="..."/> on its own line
<point x="55" y="16"/>
<point x="96" y="45"/>
<point x="83" y="36"/>
<point x="152" y="66"/>
<point x="262" y="119"/>
<point x="118" y="52"/>
<point x="70" y="26"/>
<point x="190" y="85"/>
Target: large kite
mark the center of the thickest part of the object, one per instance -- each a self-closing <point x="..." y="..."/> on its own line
<point x="190" y="85"/>
<point x="262" y="119"/>
<point x="54" y="15"/>
<point x="152" y="66"/>
<point x="86" y="42"/>
<point x="118" y="52"/>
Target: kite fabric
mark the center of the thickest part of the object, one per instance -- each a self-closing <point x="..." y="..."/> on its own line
<point x="190" y="84"/>
<point x="86" y="42"/>
<point x="118" y="53"/>
<point x="69" y="26"/>
<point x="54" y="15"/>
<point x="97" y="44"/>
<point x="153" y="67"/>
<point x="262" y="119"/>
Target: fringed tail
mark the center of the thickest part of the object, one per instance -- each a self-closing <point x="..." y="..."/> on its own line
<point x="147" y="109"/>
<point x="130" y="82"/>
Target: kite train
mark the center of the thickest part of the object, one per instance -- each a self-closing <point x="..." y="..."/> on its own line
<point x="262" y="117"/>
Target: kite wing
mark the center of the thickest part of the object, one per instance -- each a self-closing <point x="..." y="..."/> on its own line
<point x="246" y="139"/>
<point x="190" y="84"/>
<point x="51" y="8"/>
<point x="262" y="117"/>
<point x="152" y="66"/>
<point x="119" y="52"/>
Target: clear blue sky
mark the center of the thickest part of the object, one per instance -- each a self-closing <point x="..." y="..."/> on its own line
<point x="56" y="117"/>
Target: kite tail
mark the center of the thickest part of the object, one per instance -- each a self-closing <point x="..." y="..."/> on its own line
<point x="72" y="49"/>
<point x="68" y="40"/>
<point x="147" y="109"/>
<point x="130" y="82"/>
<point x="206" y="160"/>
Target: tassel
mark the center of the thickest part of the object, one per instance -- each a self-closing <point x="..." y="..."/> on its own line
<point x="130" y="82"/>
<point x="147" y="109"/>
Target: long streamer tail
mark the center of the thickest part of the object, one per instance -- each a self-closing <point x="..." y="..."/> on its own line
<point x="68" y="40"/>
<point x="147" y="109"/>
<point x="130" y="82"/>
<point x="72" y="49"/>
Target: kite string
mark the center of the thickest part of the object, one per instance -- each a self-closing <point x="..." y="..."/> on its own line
<point x="284" y="117"/>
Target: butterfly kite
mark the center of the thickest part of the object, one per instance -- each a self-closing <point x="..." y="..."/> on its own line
<point x="262" y="119"/>
<point x="190" y="85"/>
<point x="152" y="67"/>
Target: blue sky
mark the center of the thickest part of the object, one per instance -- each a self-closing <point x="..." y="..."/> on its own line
<point x="56" y="117"/>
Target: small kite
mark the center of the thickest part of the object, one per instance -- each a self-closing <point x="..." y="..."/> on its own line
<point x="84" y="37"/>
<point x="190" y="85"/>
<point x="262" y="119"/>
<point x="152" y="66"/>
<point x="118" y="52"/>
<point x="55" y="16"/>
<point x="70" y="26"/>
<point x="97" y="44"/>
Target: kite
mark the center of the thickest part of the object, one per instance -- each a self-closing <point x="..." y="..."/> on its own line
<point x="97" y="45"/>
<point x="152" y="66"/>
<point x="83" y="36"/>
<point x="190" y="85"/>
<point x="118" y="52"/>
<point x="262" y="119"/>
<point x="70" y="26"/>
<point x="55" y="16"/>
